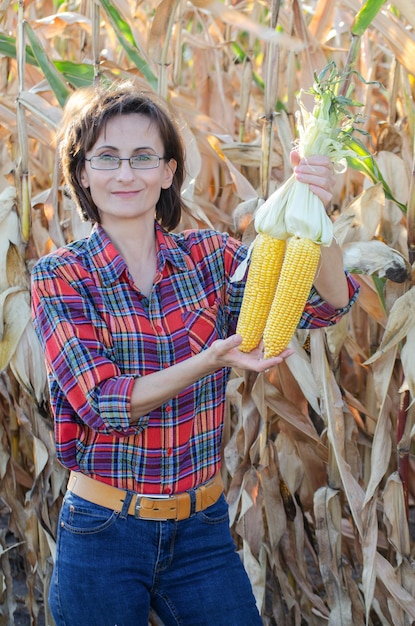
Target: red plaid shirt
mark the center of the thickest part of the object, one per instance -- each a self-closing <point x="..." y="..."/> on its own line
<point x="99" y="333"/>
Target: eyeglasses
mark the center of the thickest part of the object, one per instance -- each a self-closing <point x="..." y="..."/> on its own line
<point x="138" y="162"/>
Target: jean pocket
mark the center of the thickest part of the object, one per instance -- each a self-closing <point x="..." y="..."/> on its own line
<point x="78" y="516"/>
<point x="215" y="514"/>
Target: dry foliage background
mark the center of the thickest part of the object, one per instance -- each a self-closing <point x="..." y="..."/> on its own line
<point x="318" y="455"/>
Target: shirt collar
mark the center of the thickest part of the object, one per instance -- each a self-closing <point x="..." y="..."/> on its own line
<point x="110" y="263"/>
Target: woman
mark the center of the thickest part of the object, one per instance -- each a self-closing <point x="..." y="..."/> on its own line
<point x="137" y="326"/>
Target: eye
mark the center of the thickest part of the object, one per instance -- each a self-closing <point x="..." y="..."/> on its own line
<point x="107" y="158"/>
<point x="143" y="158"/>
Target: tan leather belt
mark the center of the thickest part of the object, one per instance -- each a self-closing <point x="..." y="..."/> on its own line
<point x="176" y="507"/>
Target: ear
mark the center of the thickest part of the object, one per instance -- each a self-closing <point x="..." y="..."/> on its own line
<point x="169" y="171"/>
<point x="84" y="179"/>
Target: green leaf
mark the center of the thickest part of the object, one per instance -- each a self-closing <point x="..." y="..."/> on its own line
<point x="52" y="75"/>
<point x="365" y="16"/>
<point x="126" y="39"/>
<point x="239" y="58"/>
<point x="8" y="49"/>
<point x="365" y="163"/>
<point x="379" y="282"/>
<point x="77" y="74"/>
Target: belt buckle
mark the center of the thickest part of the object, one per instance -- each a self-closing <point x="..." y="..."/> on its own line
<point x="137" y="506"/>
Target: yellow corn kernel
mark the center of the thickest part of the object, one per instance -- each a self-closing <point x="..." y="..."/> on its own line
<point x="297" y="275"/>
<point x="264" y="270"/>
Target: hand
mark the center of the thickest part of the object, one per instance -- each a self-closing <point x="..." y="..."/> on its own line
<point x="317" y="171"/>
<point x="226" y="353"/>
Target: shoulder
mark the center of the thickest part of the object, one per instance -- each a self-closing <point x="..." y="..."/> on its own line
<point x="64" y="257"/>
<point x="205" y="240"/>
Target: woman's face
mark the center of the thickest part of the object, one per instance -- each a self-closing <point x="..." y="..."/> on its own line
<point x="126" y="193"/>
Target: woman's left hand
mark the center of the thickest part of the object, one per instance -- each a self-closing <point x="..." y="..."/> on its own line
<point x="316" y="171"/>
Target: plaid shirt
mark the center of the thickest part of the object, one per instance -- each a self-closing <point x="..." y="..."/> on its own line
<point x="99" y="333"/>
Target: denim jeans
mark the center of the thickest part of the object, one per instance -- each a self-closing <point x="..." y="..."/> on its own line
<point x="111" y="568"/>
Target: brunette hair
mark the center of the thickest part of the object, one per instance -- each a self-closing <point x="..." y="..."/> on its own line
<point x="86" y="114"/>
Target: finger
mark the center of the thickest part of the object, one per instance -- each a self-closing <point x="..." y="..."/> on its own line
<point x="316" y="160"/>
<point x="325" y="196"/>
<point x="295" y="158"/>
<point x="266" y="364"/>
<point x="231" y="342"/>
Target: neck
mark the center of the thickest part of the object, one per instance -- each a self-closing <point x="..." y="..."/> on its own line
<point x="135" y="242"/>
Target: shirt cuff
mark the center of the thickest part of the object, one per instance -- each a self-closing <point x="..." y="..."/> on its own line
<point x="319" y="313"/>
<point x="114" y="404"/>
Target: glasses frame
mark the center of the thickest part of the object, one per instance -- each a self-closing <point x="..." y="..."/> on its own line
<point x="154" y="158"/>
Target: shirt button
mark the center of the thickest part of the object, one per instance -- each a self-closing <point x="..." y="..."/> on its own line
<point x="168" y="408"/>
<point x="168" y="490"/>
<point x="169" y="451"/>
<point x="159" y="329"/>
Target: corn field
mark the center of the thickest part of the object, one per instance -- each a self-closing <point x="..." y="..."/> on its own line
<point x="318" y="455"/>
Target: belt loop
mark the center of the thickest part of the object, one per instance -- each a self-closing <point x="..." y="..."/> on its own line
<point x="126" y="505"/>
<point x="192" y="495"/>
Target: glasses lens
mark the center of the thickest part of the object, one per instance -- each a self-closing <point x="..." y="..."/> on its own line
<point x="105" y="162"/>
<point x="144" y="161"/>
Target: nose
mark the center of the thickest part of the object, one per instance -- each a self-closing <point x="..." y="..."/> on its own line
<point x="125" y="171"/>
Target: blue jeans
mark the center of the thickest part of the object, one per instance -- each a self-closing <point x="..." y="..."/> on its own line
<point x="111" y="568"/>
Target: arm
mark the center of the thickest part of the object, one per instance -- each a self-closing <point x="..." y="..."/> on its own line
<point x="330" y="282"/>
<point x="107" y="400"/>
<point x="150" y="391"/>
<point x="72" y="334"/>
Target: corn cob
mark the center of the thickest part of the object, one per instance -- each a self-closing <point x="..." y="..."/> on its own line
<point x="264" y="270"/>
<point x="297" y="275"/>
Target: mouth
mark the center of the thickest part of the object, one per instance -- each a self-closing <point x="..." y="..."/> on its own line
<point x="126" y="194"/>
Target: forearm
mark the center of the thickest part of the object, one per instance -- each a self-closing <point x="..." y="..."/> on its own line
<point x="151" y="391"/>
<point x="330" y="281"/>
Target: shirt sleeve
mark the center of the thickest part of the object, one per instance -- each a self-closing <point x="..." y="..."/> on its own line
<point x="76" y="345"/>
<point x="235" y="254"/>
<point x="319" y="313"/>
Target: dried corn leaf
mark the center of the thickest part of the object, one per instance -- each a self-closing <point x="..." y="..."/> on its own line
<point x="359" y="221"/>
<point x="369" y="300"/>
<point x="333" y="411"/>
<point x="401" y="319"/>
<point x="382" y="439"/>
<point x="294" y="422"/>
<point x="274" y="507"/>
<point x="396" y="521"/>
<point x="336" y="337"/>
<point x="256" y="570"/>
<point x="54" y="25"/>
<point x="291" y="465"/>
<point x="9" y="235"/>
<point x="408" y="361"/>
<point x="293" y="551"/>
<point x="327" y="511"/>
<point x="161" y="27"/>
<point x="300" y="367"/>
<point x="239" y="20"/>
<point x="390" y="579"/>
<point x="14" y="316"/>
<point x="7" y="203"/>
<point x="369" y="549"/>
